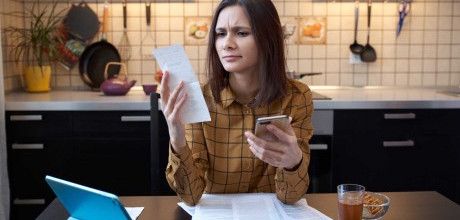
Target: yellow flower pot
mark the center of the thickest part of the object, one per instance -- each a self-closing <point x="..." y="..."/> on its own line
<point x="37" y="79"/>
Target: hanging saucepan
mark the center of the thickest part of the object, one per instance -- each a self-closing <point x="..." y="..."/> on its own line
<point x="96" y="56"/>
<point x="77" y="30"/>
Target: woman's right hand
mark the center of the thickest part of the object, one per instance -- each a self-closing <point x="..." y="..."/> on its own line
<point x="171" y="105"/>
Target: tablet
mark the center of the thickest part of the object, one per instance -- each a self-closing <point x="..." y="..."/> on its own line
<point x="87" y="203"/>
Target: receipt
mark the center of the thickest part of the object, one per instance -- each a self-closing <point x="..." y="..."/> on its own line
<point x="174" y="60"/>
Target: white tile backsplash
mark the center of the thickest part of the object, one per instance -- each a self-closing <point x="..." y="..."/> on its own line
<point x="443" y="65"/>
<point x="427" y="53"/>
<point x="415" y="79"/>
<point x="291" y="9"/>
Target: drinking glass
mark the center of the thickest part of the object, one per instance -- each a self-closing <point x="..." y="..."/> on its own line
<point x="350" y="197"/>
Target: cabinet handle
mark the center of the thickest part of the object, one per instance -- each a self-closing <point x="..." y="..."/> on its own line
<point x="318" y="146"/>
<point x="16" y="146"/>
<point x="408" y="143"/>
<point x="399" y="116"/>
<point x="26" y="117"/>
<point x="17" y="201"/>
<point x="135" y="118"/>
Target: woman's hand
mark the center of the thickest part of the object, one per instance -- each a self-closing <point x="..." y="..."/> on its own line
<point x="171" y="105"/>
<point x="284" y="153"/>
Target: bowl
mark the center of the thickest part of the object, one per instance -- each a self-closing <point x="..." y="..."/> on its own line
<point x="375" y="205"/>
<point x="149" y="88"/>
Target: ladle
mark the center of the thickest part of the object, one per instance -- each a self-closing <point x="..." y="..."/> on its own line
<point x="368" y="54"/>
<point x="355" y="47"/>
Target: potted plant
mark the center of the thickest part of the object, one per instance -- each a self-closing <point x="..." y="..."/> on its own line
<point x="36" y="45"/>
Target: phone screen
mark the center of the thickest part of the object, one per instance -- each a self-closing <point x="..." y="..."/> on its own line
<point x="280" y="121"/>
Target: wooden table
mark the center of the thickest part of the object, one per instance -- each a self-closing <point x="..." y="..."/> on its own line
<point x="403" y="205"/>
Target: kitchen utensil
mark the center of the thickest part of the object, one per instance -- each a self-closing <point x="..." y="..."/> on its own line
<point x="368" y="54"/>
<point x="117" y="84"/>
<point x="288" y="30"/>
<point x="403" y="8"/>
<point x="78" y="28"/>
<point x="124" y="46"/>
<point x="355" y="47"/>
<point x="96" y="56"/>
<point x="148" y="42"/>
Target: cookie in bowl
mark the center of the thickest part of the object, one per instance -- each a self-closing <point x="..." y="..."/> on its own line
<point x="375" y="205"/>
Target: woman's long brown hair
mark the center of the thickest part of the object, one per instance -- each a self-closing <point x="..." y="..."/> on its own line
<point x="268" y="34"/>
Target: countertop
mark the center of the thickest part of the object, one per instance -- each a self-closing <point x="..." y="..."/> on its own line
<point x="341" y="98"/>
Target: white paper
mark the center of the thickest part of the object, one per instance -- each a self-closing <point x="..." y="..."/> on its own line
<point x="250" y="206"/>
<point x="189" y="209"/>
<point x="174" y="59"/>
<point x="134" y="212"/>
<point x="299" y="210"/>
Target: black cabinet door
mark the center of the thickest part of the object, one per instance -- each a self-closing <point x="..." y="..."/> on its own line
<point x="24" y="124"/>
<point x="443" y="159"/>
<point x="116" y="124"/>
<point x="119" y="166"/>
<point x="26" y="211"/>
<point x="31" y="159"/>
<point x="364" y="160"/>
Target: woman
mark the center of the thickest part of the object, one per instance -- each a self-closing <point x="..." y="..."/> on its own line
<point x="246" y="80"/>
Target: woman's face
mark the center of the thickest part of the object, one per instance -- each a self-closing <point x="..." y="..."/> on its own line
<point x="235" y="42"/>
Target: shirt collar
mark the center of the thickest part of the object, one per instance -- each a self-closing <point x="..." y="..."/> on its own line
<point x="227" y="96"/>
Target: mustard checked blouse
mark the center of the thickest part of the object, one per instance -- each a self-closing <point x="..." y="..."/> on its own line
<point x="217" y="158"/>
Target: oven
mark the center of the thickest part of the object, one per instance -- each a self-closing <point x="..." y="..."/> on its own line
<point x="320" y="169"/>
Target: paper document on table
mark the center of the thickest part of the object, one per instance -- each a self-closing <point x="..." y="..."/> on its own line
<point x="133" y="213"/>
<point x="250" y="206"/>
<point x="299" y="210"/>
<point x="174" y="60"/>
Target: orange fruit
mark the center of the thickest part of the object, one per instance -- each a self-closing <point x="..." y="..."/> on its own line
<point x="317" y="26"/>
<point x="203" y="27"/>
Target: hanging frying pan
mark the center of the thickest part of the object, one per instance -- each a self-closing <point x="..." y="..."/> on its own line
<point x="78" y="28"/>
<point x="96" y="56"/>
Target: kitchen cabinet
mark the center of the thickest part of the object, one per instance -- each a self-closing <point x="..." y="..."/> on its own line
<point x="398" y="150"/>
<point x="106" y="150"/>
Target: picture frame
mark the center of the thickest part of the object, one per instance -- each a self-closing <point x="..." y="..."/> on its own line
<point x="196" y="30"/>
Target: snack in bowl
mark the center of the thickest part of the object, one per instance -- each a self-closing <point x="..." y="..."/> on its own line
<point x="375" y="205"/>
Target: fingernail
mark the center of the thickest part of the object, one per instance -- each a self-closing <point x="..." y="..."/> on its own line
<point x="247" y="134"/>
<point x="249" y="141"/>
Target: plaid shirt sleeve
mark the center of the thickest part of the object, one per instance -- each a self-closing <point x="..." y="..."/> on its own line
<point x="292" y="185"/>
<point x="185" y="170"/>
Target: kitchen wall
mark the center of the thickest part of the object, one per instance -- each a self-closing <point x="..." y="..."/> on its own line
<point x="427" y="53"/>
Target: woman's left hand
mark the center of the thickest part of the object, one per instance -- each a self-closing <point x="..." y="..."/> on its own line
<point x="284" y="153"/>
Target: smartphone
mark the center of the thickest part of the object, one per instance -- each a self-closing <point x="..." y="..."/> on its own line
<point x="280" y="121"/>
